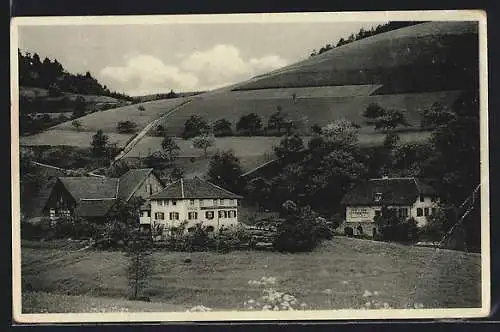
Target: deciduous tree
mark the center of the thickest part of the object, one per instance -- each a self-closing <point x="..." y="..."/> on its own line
<point x="225" y="171"/>
<point x="203" y="141"/>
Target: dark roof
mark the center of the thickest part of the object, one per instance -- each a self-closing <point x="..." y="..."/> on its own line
<point x="130" y="182"/>
<point x="94" y="208"/>
<point x="90" y="187"/>
<point x="35" y="205"/>
<point x="395" y="191"/>
<point x="193" y="188"/>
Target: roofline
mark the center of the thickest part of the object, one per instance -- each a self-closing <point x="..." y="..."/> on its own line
<point x="138" y="185"/>
<point x="166" y="187"/>
<point x="98" y="199"/>
<point x="227" y="191"/>
<point x="49" y="166"/>
<point x="194" y="197"/>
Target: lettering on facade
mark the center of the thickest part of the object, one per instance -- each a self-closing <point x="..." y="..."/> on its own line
<point x="358" y="212"/>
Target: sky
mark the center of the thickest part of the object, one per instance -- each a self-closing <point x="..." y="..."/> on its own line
<point x="148" y="59"/>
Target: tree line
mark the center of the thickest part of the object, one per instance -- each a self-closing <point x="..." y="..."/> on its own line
<point x="51" y="75"/>
<point x="363" y="33"/>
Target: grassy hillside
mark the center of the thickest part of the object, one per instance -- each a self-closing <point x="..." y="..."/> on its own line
<point x="33" y="92"/>
<point x="425" y="57"/>
<point x="344" y="267"/>
<point x="108" y="120"/>
<point x="305" y="110"/>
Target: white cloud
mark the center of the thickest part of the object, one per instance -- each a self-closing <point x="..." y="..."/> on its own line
<point x="221" y="65"/>
<point x="147" y="74"/>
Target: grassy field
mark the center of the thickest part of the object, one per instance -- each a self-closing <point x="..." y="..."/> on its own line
<point x="32" y="92"/>
<point x="69" y="138"/>
<point x="305" y="111"/>
<point x="40" y="302"/>
<point x="336" y="275"/>
<point x="108" y="120"/>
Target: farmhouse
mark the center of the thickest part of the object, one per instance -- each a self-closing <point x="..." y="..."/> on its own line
<point x="194" y="201"/>
<point x="409" y="197"/>
<point x="93" y="197"/>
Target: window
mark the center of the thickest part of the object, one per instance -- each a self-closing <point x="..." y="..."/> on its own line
<point x="433" y="211"/>
<point x="192" y="215"/>
<point x="150" y="189"/>
<point x="419" y="212"/>
<point x="403" y="212"/>
<point x="174" y="202"/>
<point x="148" y="213"/>
<point x="191" y="202"/>
<point x="426" y="212"/>
<point x="174" y="215"/>
<point x="215" y="202"/>
<point x="422" y="198"/>
<point x="226" y="214"/>
<point x="221" y="214"/>
<point x="377" y="197"/>
<point x="232" y="214"/>
<point x="159" y="216"/>
<point x="221" y="201"/>
<point x="209" y="214"/>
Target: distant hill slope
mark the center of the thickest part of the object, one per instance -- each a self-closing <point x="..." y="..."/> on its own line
<point x="425" y="57"/>
<point x="34" y="92"/>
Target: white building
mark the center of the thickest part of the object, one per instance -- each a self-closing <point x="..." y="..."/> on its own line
<point x="194" y="201"/>
<point x="409" y="197"/>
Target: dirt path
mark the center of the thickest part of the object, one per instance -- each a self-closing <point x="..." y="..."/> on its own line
<point x="145" y="130"/>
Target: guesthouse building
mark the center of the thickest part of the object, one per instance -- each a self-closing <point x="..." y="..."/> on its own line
<point x="408" y="197"/>
<point x="194" y="201"/>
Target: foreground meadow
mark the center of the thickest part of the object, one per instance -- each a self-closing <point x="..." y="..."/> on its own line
<point x="341" y="273"/>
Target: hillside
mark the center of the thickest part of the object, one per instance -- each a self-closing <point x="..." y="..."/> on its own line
<point x="408" y="69"/>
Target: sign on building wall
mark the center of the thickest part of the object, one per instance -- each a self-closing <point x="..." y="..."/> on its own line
<point x="358" y="213"/>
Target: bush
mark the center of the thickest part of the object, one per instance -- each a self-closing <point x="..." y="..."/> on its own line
<point x="299" y="230"/>
<point x="126" y="127"/>
<point x="401" y="232"/>
<point x="348" y="231"/>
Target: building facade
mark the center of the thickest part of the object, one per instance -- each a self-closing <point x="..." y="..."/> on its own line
<point x="192" y="201"/>
<point x="407" y="197"/>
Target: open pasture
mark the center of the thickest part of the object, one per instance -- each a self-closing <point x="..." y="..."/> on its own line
<point x="336" y="275"/>
<point x="304" y="111"/>
<point x="108" y="120"/>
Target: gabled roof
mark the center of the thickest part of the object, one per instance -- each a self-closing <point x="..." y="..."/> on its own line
<point x="36" y="204"/>
<point x="395" y="191"/>
<point x="131" y="181"/>
<point x="94" y="208"/>
<point x="84" y="187"/>
<point x="195" y="188"/>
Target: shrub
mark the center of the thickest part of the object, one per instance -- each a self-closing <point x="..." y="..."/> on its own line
<point x="126" y="127"/>
<point x="298" y="232"/>
<point x="348" y="231"/>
